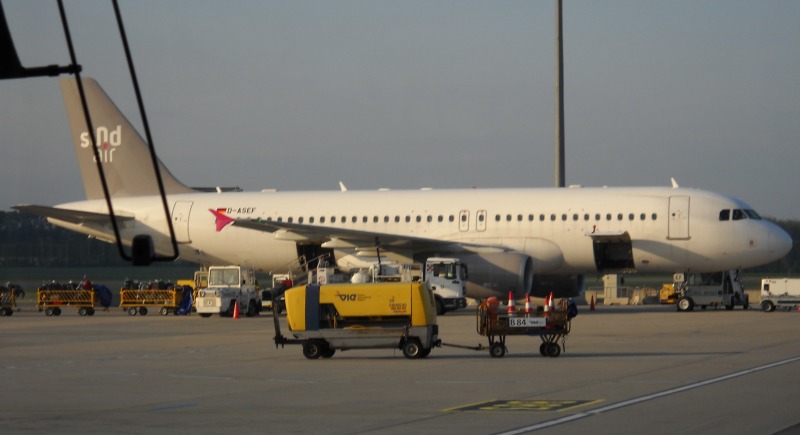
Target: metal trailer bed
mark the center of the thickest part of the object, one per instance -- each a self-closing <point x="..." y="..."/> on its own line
<point x="551" y="327"/>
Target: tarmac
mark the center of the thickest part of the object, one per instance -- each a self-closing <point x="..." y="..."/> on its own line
<point x="624" y="369"/>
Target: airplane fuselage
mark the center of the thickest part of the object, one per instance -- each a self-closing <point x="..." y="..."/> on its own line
<point x="563" y="231"/>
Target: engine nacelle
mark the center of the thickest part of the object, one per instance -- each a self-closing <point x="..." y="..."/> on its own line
<point x="498" y="274"/>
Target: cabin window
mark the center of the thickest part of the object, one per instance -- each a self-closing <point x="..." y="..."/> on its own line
<point x="333" y="219"/>
<point x="608" y="216"/>
<point x="290" y="220"/>
<point x="654" y="216"/>
<point x="575" y="216"/>
<point x="586" y="216"/>
<point x="396" y="219"/>
<point x="375" y="219"/>
<point x="453" y="218"/>
<point x="530" y="218"/>
<point x="430" y="218"/>
<point x="440" y="218"/>
<point x="541" y="217"/>
<point x="408" y="218"/>
<point x="419" y="218"/>
<point x="552" y="216"/>
<point x="508" y="218"/>
<point x="597" y="216"/>
<point x="563" y="217"/>
<point x="497" y="217"/>
<point x="322" y="219"/>
<point x="630" y="216"/>
<point x="386" y="219"/>
<point x="619" y="216"/>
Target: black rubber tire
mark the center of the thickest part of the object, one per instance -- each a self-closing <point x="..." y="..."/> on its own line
<point x="412" y="348"/>
<point x="685" y="304"/>
<point x="553" y="350"/>
<point x="497" y="350"/>
<point x="767" y="306"/>
<point x="312" y="349"/>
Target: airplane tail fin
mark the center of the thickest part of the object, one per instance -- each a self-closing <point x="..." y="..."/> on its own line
<point x="124" y="154"/>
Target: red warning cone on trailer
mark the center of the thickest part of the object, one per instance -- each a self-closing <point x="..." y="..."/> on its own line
<point x="546" y="306"/>
<point x="236" y="309"/>
<point x="528" y="309"/>
<point x="551" y="303"/>
<point x="591" y="304"/>
<point x="511" y="304"/>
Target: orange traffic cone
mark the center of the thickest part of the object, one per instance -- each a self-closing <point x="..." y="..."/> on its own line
<point x="512" y="307"/>
<point x="546" y="306"/>
<point x="591" y="304"/>
<point x="528" y="309"/>
<point x="236" y="309"/>
<point x="551" y="303"/>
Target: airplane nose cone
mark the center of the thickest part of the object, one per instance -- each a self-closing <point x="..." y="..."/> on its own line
<point x="779" y="242"/>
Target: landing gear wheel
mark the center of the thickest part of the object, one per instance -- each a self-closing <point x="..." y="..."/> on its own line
<point x="553" y="350"/>
<point x="132" y="311"/>
<point x="412" y="348"/>
<point x="685" y="304"/>
<point x="312" y="349"/>
<point x="497" y="350"/>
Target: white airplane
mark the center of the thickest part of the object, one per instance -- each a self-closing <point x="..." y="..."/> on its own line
<point x="529" y="241"/>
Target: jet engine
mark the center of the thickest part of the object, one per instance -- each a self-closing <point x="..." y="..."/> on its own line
<point x="497" y="274"/>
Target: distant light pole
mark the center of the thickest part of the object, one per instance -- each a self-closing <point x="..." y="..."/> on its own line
<point x="559" y="133"/>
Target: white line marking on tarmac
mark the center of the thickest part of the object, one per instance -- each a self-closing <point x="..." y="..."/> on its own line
<point x="641" y="399"/>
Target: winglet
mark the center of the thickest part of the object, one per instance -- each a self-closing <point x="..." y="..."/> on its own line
<point x="222" y="220"/>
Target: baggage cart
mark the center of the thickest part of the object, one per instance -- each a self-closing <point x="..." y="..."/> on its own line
<point x="8" y="301"/>
<point x="552" y="327"/>
<point x="51" y="301"/>
<point x="137" y="301"/>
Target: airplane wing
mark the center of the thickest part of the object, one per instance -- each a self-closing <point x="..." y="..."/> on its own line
<point x="77" y="217"/>
<point x="332" y="237"/>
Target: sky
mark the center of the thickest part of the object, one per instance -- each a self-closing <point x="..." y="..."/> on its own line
<point x="298" y="95"/>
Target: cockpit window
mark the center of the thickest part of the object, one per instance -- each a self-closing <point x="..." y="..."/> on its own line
<point x="724" y="215"/>
<point x="753" y="215"/>
<point x="738" y="215"/>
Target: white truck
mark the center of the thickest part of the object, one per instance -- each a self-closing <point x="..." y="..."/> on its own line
<point x="716" y="289"/>
<point x="780" y="293"/>
<point x="229" y="287"/>
<point x="447" y="278"/>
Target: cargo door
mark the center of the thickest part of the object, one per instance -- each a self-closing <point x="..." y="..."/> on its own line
<point x="180" y="220"/>
<point x="678" y="217"/>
